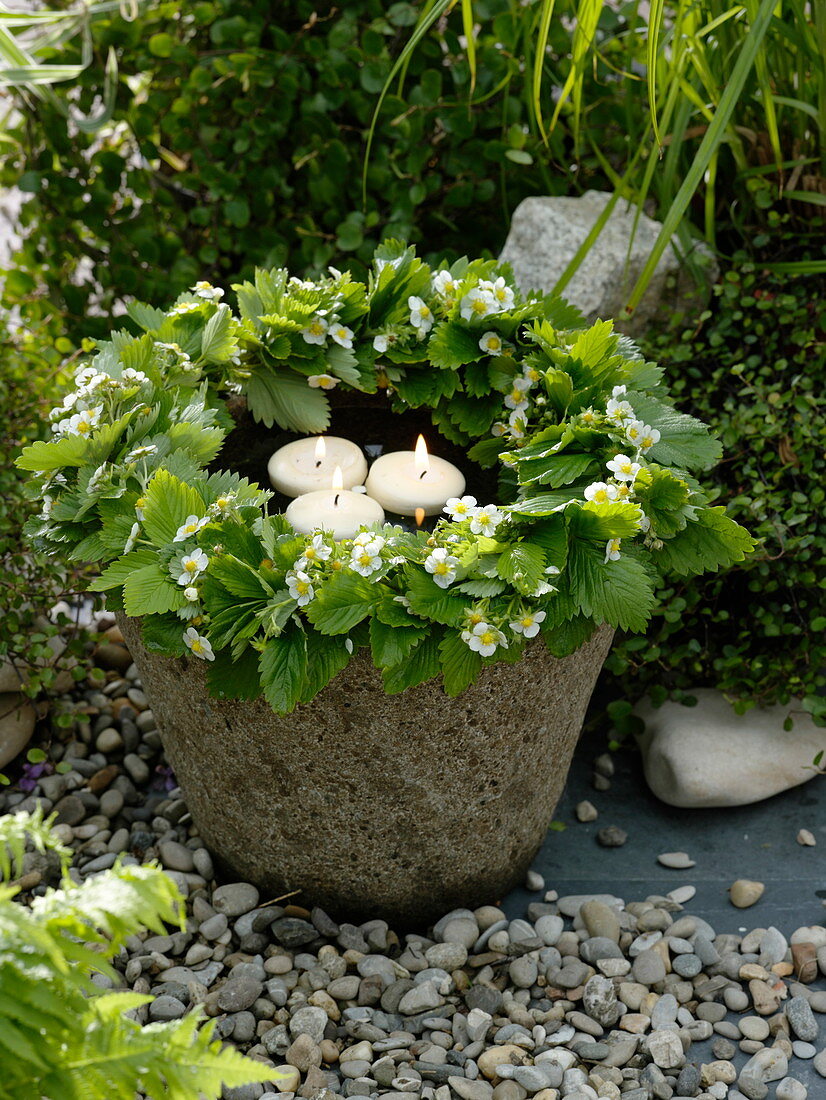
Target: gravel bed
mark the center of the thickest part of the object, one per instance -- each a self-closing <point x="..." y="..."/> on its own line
<point x="588" y="997"/>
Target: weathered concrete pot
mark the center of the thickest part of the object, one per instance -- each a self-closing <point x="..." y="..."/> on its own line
<point x="402" y="806"/>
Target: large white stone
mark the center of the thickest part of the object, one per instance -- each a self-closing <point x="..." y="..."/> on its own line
<point x="546" y="232"/>
<point x="708" y="755"/>
<point x="17" y="718"/>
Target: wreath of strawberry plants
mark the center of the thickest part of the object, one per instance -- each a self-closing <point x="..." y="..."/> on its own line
<point x="594" y="466"/>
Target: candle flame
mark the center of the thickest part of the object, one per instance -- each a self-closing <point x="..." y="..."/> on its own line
<point x="320" y="448"/>
<point x="338" y="478"/>
<point x="419" y="516"/>
<point x="421" y="459"/>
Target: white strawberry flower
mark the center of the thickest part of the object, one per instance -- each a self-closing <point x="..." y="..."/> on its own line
<point x="316" y="551"/>
<point x="491" y="343"/>
<point x="633" y="432"/>
<point x="498" y="429"/>
<point x="588" y="416"/>
<point x="624" y="490"/>
<point x="501" y="293"/>
<point x="459" y="508"/>
<point x="517" y="424"/>
<point x="644" y="523"/>
<point x="601" y="492"/>
<point x="198" y="645"/>
<point x="624" y="468"/>
<point x="477" y="303"/>
<point x="182" y="308"/>
<point x="444" y="284"/>
<point x="648" y="437"/>
<point x="83" y="423"/>
<point x="618" y="391"/>
<point x="191" y="593"/>
<point x="341" y="334"/>
<point x="365" y="558"/>
<point x="442" y="565"/>
<point x="191" y="566"/>
<point x="137" y="453"/>
<point x="485" y="520"/>
<point x="222" y="505"/>
<point x="300" y="587"/>
<point x="190" y="527"/>
<point x="322" y="382"/>
<point x="421" y="316"/>
<point x="517" y="398"/>
<point x="207" y="291"/>
<point x="380" y="343"/>
<point x="137" y="377"/>
<point x="612" y="550"/>
<point x="370" y="538"/>
<point x="528" y="623"/>
<point x="316" y="330"/>
<point x="619" y="412"/>
<point x="484" y="639"/>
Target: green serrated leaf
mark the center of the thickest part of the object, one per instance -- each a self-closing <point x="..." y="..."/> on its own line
<point x="391" y="644"/>
<point x="284" y="398"/>
<point x="460" y="664"/>
<point x="523" y="565"/>
<point x="117" y="573"/>
<point x="341" y="602"/>
<point x="234" y="679"/>
<point x="617" y="592"/>
<point x="430" y="601"/>
<point x="451" y="346"/>
<point x="710" y="542"/>
<point x="282" y="665"/>
<point x="169" y="503"/>
<point x="480" y="589"/>
<point x="150" y="591"/>
<point x="422" y="664"/>
<point x="326" y="657"/>
<point x="603" y="521"/>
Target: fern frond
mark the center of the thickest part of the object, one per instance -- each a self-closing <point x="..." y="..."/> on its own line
<point x="18" y="829"/>
<point x="111" y="906"/>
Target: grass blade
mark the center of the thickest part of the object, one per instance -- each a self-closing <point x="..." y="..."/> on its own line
<point x="714" y="136"/>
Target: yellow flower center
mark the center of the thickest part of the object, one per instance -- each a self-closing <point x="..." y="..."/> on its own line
<point x="488" y="638"/>
<point x="222" y="502"/>
<point x="479" y="305"/>
<point x="310" y="554"/>
<point x="140" y="502"/>
<point x="647" y="441"/>
<point x="336" y="566"/>
<point x="623" y="490"/>
<point x="191" y="566"/>
<point x="302" y="588"/>
<point x="365" y="559"/>
<point x="474" y="618"/>
<point x="600" y="496"/>
<point x="197" y="646"/>
<point x="424" y="311"/>
<point x="441" y="568"/>
<point x="316" y="329"/>
<point x="527" y="621"/>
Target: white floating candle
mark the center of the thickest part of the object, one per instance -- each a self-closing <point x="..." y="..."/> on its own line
<point x="336" y="510"/>
<point x="407" y="481"/>
<point x="309" y="464"/>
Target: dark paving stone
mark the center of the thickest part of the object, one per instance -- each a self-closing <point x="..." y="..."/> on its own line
<point x="755" y="842"/>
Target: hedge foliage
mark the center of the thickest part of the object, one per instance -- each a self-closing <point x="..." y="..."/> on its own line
<point x="754" y="367"/>
<point x="242" y="146"/>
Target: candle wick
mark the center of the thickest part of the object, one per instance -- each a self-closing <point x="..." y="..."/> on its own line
<point x="335" y="502"/>
<point x="318" y="463"/>
<point x="421" y="475"/>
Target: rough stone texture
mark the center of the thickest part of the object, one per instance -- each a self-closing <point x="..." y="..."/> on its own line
<point x="404" y="805"/>
<point x="546" y="232"/>
<point x="707" y="755"/>
<point x="17" y="719"/>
